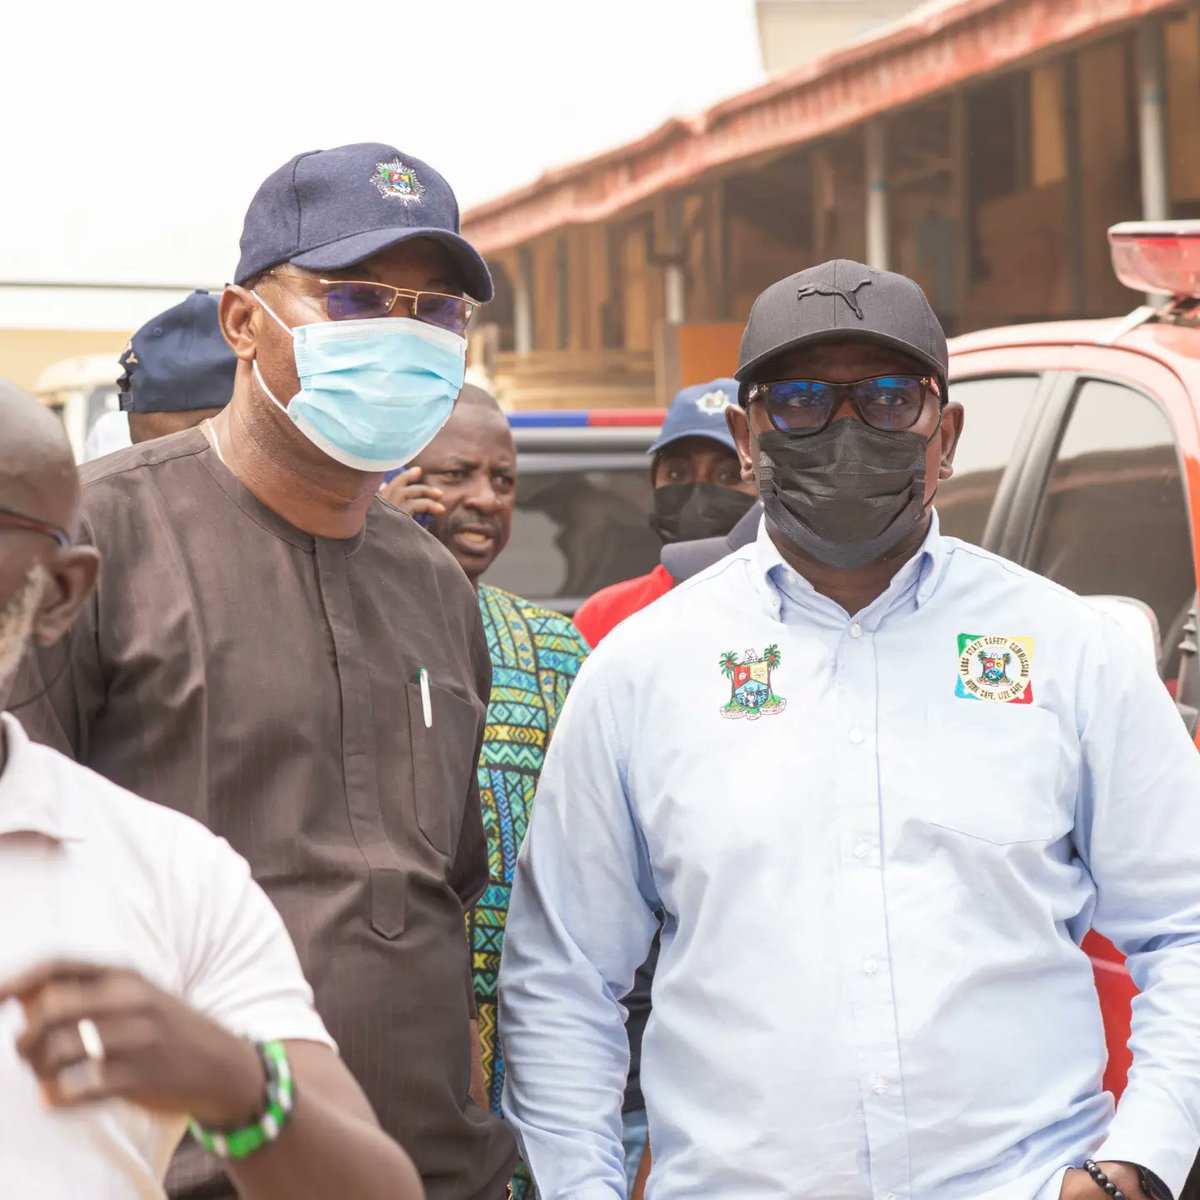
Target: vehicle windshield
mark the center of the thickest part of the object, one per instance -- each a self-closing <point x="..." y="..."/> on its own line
<point x="577" y="529"/>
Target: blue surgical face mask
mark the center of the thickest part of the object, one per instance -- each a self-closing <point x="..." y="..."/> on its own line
<point x="373" y="394"/>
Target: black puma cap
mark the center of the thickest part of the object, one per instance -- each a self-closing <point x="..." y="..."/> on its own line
<point x="842" y="299"/>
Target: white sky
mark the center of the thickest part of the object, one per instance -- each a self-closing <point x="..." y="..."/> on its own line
<point x="135" y="132"/>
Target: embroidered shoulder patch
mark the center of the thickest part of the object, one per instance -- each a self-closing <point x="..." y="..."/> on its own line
<point x="997" y="669"/>
<point x="751" y="693"/>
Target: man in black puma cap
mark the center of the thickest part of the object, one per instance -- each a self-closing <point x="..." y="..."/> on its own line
<point x="878" y="833"/>
<point x="821" y="307"/>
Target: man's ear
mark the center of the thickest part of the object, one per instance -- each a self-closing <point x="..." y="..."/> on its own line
<point x="72" y="577"/>
<point x="238" y="314"/>
<point x="951" y="431"/>
<point x="739" y="425"/>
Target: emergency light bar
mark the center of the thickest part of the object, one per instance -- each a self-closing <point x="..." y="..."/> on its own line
<point x="1157" y="256"/>
<point x="579" y="418"/>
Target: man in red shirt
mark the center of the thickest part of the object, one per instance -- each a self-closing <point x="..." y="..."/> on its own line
<point x="699" y="493"/>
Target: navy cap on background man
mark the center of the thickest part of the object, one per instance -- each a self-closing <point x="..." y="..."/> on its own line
<point x="320" y="671"/>
<point x="177" y="370"/>
<point x="698" y="493"/>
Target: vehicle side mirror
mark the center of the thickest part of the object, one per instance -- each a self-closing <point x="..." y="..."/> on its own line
<point x="1136" y="618"/>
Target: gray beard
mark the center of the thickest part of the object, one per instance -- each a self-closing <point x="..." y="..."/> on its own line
<point x="17" y="619"/>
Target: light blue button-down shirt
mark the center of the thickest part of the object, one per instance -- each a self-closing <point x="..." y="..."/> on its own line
<point x="875" y="885"/>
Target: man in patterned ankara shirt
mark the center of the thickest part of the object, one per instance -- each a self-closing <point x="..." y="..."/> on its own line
<point x="468" y="489"/>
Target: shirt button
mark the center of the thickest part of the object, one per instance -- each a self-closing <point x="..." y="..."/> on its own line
<point x="861" y="849"/>
<point x="855" y="630"/>
<point x="870" y="966"/>
<point x="857" y="737"/>
<point x="880" y="1086"/>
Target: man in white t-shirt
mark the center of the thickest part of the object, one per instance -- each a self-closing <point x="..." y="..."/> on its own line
<point x="145" y="979"/>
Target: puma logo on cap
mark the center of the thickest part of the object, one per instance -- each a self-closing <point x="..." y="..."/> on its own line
<point x="850" y="295"/>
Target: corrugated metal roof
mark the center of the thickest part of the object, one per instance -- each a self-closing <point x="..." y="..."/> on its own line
<point x="938" y="45"/>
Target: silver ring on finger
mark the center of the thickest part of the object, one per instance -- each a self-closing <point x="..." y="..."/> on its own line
<point x="93" y="1043"/>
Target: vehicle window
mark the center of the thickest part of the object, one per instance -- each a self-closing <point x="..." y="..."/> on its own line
<point x="576" y="531"/>
<point x="1114" y="517"/>
<point x="995" y="408"/>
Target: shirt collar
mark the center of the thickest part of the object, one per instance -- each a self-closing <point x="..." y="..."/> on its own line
<point x="30" y="800"/>
<point x="925" y="569"/>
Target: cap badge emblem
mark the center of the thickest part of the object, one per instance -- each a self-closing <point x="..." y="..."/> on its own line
<point x="751" y="694"/>
<point x="395" y="181"/>
<point x="850" y="295"/>
<point x="713" y="402"/>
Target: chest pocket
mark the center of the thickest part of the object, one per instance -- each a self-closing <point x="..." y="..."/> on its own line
<point x="443" y="760"/>
<point x="992" y="772"/>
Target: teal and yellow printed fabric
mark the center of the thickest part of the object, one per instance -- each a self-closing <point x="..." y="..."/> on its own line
<point x="536" y="655"/>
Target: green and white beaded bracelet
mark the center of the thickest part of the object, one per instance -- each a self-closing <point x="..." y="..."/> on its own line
<point x="280" y="1101"/>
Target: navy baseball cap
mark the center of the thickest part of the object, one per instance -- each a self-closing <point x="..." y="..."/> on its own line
<point x="699" y="411"/>
<point x="843" y="299"/>
<point x="326" y="210"/>
<point x="179" y="361"/>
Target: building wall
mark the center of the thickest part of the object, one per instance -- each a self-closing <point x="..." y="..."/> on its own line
<point x="1111" y="165"/>
<point x="24" y="353"/>
<point x="1183" y="111"/>
<point x="1000" y="195"/>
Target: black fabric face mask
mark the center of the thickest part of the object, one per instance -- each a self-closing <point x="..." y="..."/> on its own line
<point x="686" y="512"/>
<point x="846" y="495"/>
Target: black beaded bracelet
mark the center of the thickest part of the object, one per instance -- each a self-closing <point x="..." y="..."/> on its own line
<point x="1102" y="1181"/>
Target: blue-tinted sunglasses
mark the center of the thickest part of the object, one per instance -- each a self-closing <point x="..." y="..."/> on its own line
<point x="806" y="406"/>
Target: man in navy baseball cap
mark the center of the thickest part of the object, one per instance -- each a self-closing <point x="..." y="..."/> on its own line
<point x="177" y="370"/>
<point x="350" y="309"/>
<point x="321" y="671"/>
<point x="699" y="492"/>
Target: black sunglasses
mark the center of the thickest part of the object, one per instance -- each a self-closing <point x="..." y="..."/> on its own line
<point x="806" y="406"/>
<point x="16" y="520"/>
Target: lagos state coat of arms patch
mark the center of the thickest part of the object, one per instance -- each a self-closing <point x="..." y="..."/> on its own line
<point x="396" y="181"/>
<point x="751" y="692"/>
<point x="714" y="402"/>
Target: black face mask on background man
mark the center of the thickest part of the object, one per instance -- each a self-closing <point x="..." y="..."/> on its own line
<point x="846" y="495"/>
<point x="687" y="512"/>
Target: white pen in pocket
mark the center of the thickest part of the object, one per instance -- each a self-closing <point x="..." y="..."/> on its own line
<point x="426" y="701"/>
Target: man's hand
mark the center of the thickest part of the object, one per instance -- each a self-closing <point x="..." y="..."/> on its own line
<point x="412" y="497"/>
<point x="1079" y="1185"/>
<point x="157" y="1053"/>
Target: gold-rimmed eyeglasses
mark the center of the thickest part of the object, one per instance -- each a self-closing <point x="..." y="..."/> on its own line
<point x="364" y="300"/>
